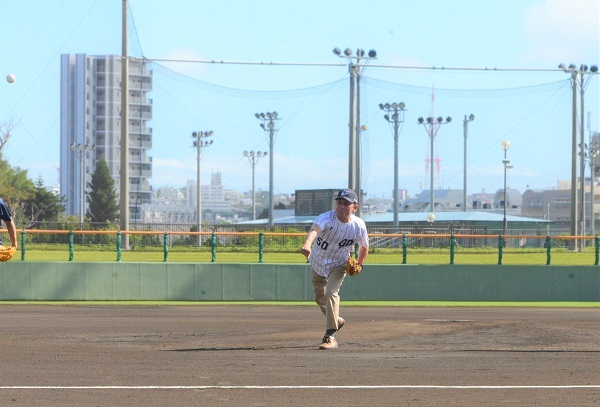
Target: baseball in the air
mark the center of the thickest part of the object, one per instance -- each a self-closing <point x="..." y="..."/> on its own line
<point x="10" y="78"/>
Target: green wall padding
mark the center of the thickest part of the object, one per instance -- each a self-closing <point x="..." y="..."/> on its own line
<point x="62" y="281"/>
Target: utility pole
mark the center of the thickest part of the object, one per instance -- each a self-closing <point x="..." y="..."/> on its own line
<point x="397" y="118"/>
<point x="466" y="132"/>
<point x="200" y="143"/>
<point x="355" y="69"/>
<point x="253" y="158"/>
<point x="505" y="146"/>
<point x="268" y="124"/>
<point x="432" y="126"/>
<point x="582" y="147"/>
<point x="577" y="81"/>
<point x="81" y="150"/>
<point x="124" y="181"/>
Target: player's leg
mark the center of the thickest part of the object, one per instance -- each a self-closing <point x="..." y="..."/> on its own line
<point x="332" y="307"/>
<point x="332" y="298"/>
<point x="319" y="284"/>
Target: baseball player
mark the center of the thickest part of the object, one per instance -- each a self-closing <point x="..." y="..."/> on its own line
<point x="6" y="216"/>
<point x="335" y="232"/>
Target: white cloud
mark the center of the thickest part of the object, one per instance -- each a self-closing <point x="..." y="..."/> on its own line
<point x="161" y="163"/>
<point x="171" y="172"/>
<point x="562" y="31"/>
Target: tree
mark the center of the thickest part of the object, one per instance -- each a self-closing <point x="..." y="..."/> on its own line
<point x="103" y="207"/>
<point x="43" y="205"/>
<point x="15" y="187"/>
<point x="28" y="201"/>
<point x="5" y="132"/>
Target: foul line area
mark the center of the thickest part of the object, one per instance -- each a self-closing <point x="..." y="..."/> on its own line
<point x="408" y="386"/>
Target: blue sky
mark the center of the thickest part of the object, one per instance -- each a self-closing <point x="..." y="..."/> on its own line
<point x="532" y="109"/>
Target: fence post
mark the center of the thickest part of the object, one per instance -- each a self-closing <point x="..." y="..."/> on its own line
<point x="165" y="247"/>
<point x="23" y="240"/>
<point x="404" y="247"/>
<point x="261" y="246"/>
<point x="213" y="246"/>
<point x="119" y="245"/>
<point x="597" y="245"/>
<point x="452" y="243"/>
<point x="548" y="245"/>
<point x="500" y="245"/>
<point x="71" y="238"/>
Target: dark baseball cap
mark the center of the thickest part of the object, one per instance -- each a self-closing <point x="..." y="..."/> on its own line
<point x="347" y="194"/>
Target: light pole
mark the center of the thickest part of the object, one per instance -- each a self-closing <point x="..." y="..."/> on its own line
<point x="269" y="125"/>
<point x="466" y="132"/>
<point x="432" y="126"/>
<point x="583" y="82"/>
<point x="505" y="146"/>
<point x="80" y="151"/>
<point x="124" y="210"/>
<point x="200" y="143"/>
<point x="397" y="118"/>
<point x="253" y="160"/>
<point x="356" y="67"/>
<point x="594" y="151"/>
<point x="577" y="81"/>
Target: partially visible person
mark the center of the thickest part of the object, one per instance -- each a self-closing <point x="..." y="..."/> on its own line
<point x="6" y="216"/>
<point x="335" y="233"/>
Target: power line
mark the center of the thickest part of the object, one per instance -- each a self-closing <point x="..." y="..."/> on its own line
<point x="431" y="68"/>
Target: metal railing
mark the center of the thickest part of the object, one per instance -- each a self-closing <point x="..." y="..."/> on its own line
<point x="288" y="241"/>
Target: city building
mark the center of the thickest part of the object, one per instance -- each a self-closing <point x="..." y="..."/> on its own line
<point x="513" y="201"/>
<point x="90" y="128"/>
<point x="555" y="204"/>
<point x="482" y="200"/>
<point x="213" y="196"/>
<point x="443" y="200"/>
<point x="178" y="205"/>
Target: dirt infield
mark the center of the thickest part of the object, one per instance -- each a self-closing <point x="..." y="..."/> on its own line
<point x="88" y="355"/>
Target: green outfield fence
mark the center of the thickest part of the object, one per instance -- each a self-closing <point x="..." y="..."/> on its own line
<point x="291" y="241"/>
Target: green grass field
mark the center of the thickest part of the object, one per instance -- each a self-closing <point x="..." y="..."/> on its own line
<point x="559" y="257"/>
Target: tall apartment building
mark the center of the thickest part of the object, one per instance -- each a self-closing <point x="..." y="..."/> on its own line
<point x="90" y="127"/>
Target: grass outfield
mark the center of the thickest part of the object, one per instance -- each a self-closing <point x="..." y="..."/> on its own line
<point x="555" y="304"/>
<point x="559" y="257"/>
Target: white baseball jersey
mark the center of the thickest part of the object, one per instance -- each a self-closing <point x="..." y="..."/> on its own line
<point x="336" y="240"/>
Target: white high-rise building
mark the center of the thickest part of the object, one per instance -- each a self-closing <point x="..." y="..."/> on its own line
<point x="90" y="127"/>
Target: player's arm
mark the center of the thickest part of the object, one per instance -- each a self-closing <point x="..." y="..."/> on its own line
<point x="310" y="238"/>
<point x="362" y="255"/>
<point x="12" y="232"/>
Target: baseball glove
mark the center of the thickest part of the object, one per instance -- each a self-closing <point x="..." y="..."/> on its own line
<point x="6" y="253"/>
<point x="352" y="267"/>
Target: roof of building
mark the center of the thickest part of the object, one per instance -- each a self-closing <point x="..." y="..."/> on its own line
<point x="388" y="217"/>
<point x="439" y="194"/>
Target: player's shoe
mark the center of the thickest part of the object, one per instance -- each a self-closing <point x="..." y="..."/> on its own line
<point x="341" y="323"/>
<point x="329" y="342"/>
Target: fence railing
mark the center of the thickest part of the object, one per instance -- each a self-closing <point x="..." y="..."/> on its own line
<point x="289" y="241"/>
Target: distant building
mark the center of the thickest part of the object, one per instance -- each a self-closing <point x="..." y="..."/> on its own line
<point x="513" y="201"/>
<point x="178" y="205"/>
<point x="443" y="200"/>
<point x="555" y="204"/>
<point x="482" y="201"/>
<point x="449" y="200"/>
<point x="212" y="196"/>
<point x="90" y="127"/>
